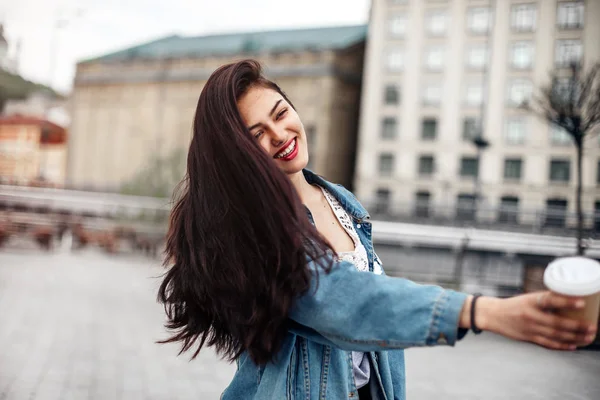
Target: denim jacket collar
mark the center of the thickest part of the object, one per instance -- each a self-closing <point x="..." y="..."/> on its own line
<point x="345" y="197"/>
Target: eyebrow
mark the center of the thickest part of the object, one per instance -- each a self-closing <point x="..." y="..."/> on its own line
<point x="270" y="114"/>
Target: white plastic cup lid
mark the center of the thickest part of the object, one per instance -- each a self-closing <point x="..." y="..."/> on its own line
<point x="573" y="276"/>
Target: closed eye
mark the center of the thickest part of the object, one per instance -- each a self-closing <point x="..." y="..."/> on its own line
<point x="258" y="134"/>
<point x="281" y="114"/>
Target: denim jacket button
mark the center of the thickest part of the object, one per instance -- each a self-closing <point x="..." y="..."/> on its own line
<point x="358" y="225"/>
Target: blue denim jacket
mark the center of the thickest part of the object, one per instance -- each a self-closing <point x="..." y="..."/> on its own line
<point x="350" y="311"/>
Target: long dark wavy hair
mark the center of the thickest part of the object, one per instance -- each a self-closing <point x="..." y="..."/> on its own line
<point x="239" y="237"/>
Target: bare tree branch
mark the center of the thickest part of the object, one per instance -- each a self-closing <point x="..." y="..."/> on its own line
<point x="576" y="108"/>
<point x="591" y="107"/>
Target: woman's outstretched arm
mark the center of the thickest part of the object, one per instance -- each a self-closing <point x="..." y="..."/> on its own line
<point x="367" y="312"/>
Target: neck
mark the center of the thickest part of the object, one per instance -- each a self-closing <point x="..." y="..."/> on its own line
<point x="305" y="190"/>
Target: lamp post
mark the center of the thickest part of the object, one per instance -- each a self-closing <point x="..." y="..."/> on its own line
<point x="478" y="140"/>
<point x="480" y="144"/>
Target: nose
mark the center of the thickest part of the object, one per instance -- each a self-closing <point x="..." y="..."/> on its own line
<point x="278" y="137"/>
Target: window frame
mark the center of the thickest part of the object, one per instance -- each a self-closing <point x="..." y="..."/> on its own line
<point x="516" y="20"/>
<point x="552" y="176"/>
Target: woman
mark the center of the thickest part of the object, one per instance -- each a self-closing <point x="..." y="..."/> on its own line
<point x="274" y="266"/>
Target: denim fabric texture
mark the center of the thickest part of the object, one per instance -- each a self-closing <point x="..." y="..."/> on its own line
<point x="350" y="311"/>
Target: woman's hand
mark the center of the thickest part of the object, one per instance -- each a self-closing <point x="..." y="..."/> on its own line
<point x="530" y="317"/>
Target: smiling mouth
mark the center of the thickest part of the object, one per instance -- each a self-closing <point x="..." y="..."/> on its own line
<point x="286" y="150"/>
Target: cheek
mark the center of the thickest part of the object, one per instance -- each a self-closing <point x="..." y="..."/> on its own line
<point x="264" y="143"/>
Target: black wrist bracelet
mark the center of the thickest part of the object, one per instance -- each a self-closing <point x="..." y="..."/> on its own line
<point x="474" y="327"/>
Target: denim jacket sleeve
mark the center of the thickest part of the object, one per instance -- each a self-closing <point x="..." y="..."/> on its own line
<point x="362" y="311"/>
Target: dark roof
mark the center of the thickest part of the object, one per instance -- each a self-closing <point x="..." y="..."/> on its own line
<point x="329" y="38"/>
<point x="18" y="119"/>
<point x="51" y="133"/>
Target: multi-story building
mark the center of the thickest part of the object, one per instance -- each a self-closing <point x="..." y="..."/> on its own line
<point x="439" y="73"/>
<point x="138" y="104"/>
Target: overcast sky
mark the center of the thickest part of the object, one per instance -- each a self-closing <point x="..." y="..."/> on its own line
<point x="94" y="27"/>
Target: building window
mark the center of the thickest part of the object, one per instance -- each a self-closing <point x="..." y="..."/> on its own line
<point x="465" y="207"/>
<point x="559" y="136"/>
<point x="512" y="169"/>
<point x="437" y="23"/>
<point x="477" y="56"/>
<point x="519" y="92"/>
<point x="392" y="94"/>
<point x="560" y="170"/>
<point x="570" y="15"/>
<point x="382" y="201"/>
<point x="388" y="128"/>
<point x="521" y="55"/>
<point x="397" y="26"/>
<point x="474" y="94"/>
<point x="561" y="88"/>
<point x="509" y="209"/>
<point x="515" y="131"/>
<point x="567" y="52"/>
<point x="479" y="19"/>
<point x="470" y="129"/>
<point x="395" y="60"/>
<point x="556" y="212"/>
<point x="434" y="58"/>
<point x="386" y="164"/>
<point x="469" y="167"/>
<point x="422" y="199"/>
<point x="429" y="129"/>
<point x="426" y="165"/>
<point x="523" y="17"/>
<point x="432" y="94"/>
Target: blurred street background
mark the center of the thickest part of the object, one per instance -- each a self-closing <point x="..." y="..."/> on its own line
<point x="468" y="128"/>
<point x="83" y="326"/>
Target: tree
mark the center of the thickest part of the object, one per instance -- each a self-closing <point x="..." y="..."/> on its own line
<point x="15" y="87"/>
<point x="573" y="104"/>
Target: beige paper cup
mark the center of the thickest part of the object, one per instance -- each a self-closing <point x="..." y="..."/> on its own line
<point x="580" y="277"/>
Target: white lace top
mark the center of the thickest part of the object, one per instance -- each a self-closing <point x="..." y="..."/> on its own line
<point x="358" y="257"/>
<point x="360" y="362"/>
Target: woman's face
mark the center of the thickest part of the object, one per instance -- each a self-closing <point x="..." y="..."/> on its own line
<point x="276" y="126"/>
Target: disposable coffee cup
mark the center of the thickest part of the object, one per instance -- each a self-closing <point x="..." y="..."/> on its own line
<point x="576" y="277"/>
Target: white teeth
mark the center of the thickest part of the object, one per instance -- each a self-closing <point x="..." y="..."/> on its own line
<point x="288" y="150"/>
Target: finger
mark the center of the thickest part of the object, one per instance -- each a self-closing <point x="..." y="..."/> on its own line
<point x="553" y="344"/>
<point x="562" y="329"/>
<point x="557" y="302"/>
<point x="567" y="337"/>
<point x="557" y="322"/>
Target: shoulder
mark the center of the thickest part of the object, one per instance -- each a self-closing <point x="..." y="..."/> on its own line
<point x="348" y="200"/>
<point x="347" y="193"/>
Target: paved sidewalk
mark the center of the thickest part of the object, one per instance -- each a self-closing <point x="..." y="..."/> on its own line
<point x="83" y="326"/>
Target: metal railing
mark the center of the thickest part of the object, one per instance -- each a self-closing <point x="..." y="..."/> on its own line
<point x="551" y="220"/>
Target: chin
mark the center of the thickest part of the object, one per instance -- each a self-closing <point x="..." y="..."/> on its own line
<point x="295" y="166"/>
